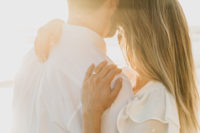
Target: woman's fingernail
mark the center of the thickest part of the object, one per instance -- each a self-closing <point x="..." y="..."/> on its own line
<point x="121" y="79"/>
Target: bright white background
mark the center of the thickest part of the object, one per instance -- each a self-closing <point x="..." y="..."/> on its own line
<point x="19" y="20"/>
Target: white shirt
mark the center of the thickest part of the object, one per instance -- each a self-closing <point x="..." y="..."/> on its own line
<point x="153" y="110"/>
<point x="47" y="97"/>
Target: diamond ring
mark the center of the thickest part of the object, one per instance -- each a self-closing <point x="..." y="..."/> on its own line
<point x="93" y="73"/>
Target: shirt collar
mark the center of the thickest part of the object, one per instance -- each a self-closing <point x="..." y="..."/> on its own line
<point x="86" y="34"/>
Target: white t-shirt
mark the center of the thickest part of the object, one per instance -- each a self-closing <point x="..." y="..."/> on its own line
<point x="153" y="110"/>
<point x="47" y="97"/>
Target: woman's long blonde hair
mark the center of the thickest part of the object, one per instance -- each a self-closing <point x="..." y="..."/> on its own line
<point x="155" y="38"/>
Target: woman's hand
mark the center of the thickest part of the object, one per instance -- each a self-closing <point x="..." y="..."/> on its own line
<point x="96" y="92"/>
<point x="47" y="36"/>
<point x="97" y="95"/>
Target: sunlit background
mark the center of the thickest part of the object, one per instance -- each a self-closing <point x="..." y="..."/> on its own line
<point x="19" y="21"/>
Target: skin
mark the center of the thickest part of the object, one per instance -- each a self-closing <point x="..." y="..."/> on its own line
<point x="94" y="103"/>
<point x="96" y="93"/>
<point x="98" y="21"/>
<point x="97" y="96"/>
<point x="140" y="83"/>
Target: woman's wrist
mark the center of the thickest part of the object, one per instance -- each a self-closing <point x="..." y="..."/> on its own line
<point x="91" y="109"/>
<point x="96" y="96"/>
<point x="92" y="114"/>
<point x="91" y="122"/>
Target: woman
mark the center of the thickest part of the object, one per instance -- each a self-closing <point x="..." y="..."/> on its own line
<point x="154" y="38"/>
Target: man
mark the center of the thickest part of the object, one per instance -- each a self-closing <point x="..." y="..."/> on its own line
<point x="47" y="97"/>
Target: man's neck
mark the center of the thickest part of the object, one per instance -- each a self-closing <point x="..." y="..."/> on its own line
<point x="92" y="22"/>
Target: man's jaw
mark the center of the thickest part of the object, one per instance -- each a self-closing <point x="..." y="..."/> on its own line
<point x="113" y="27"/>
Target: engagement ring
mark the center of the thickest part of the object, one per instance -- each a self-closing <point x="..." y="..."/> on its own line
<point x="93" y="73"/>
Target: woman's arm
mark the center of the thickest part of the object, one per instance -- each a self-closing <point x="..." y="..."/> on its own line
<point x="97" y="95"/>
<point x="91" y="123"/>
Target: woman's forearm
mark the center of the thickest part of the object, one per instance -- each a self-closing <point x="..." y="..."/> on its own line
<point x="91" y="123"/>
<point x="96" y="96"/>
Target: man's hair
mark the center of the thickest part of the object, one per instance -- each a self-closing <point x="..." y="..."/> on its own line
<point x="85" y="5"/>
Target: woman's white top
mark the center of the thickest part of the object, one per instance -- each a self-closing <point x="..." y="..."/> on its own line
<point x="153" y="110"/>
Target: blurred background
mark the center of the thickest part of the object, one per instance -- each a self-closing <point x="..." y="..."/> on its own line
<point x="19" y="22"/>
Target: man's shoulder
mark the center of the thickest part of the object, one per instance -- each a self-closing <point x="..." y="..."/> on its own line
<point x="77" y="56"/>
<point x="76" y="52"/>
<point x="29" y="55"/>
<point x="31" y="65"/>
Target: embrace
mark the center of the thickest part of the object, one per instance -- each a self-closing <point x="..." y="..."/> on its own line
<point x="68" y="84"/>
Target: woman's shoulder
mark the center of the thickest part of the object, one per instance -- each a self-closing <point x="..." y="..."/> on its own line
<point x="153" y="102"/>
<point x="152" y="87"/>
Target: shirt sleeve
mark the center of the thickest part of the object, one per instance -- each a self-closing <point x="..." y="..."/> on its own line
<point x="156" y="107"/>
<point x="62" y="98"/>
<point x="62" y="95"/>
